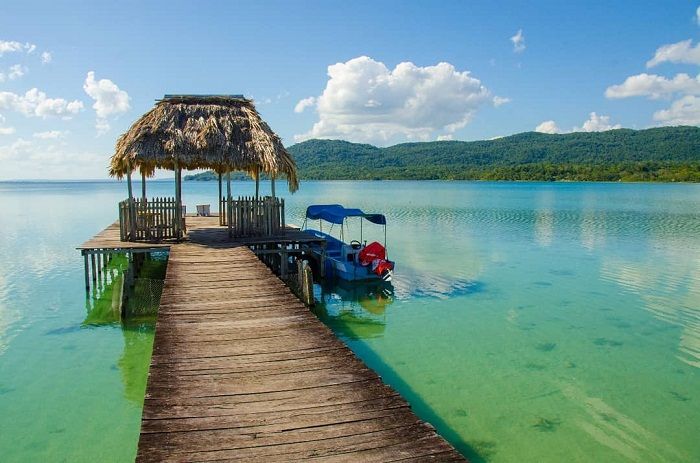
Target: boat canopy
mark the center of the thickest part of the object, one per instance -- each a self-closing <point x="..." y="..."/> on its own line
<point x="335" y="213"/>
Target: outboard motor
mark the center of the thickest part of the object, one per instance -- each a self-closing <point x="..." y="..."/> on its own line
<point x="374" y="254"/>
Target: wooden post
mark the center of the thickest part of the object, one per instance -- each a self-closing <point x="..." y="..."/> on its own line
<point x="94" y="271"/>
<point x="178" y="202"/>
<point x="272" y="185"/>
<point x="143" y="186"/>
<point x="87" y="272"/>
<point x="257" y="185"/>
<point x="218" y="200"/>
<point x="132" y="209"/>
<point x="229" y="219"/>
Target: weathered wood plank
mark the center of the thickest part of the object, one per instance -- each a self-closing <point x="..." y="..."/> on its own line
<point x="242" y="371"/>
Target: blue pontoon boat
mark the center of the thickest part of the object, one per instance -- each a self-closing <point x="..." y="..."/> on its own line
<point x="349" y="261"/>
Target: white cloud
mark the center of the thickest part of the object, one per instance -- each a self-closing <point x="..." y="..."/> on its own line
<point x="680" y="52"/>
<point x="110" y="100"/>
<point x="499" y="100"/>
<point x="366" y="101"/>
<point x="39" y="158"/>
<point x="46" y="57"/>
<point x="15" y="47"/>
<point x="548" y="127"/>
<point x="303" y="104"/>
<point x="34" y="103"/>
<point x="7" y="130"/>
<point x="518" y="41"/>
<point x="654" y="86"/>
<point x="17" y="71"/>
<point x="445" y="137"/>
<point x="685" y="111"/>
<point x="596" y="123"/>
<point x="50" y="134"/>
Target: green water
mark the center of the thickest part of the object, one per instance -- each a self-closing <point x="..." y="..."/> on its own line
<point x="527" y="322"/>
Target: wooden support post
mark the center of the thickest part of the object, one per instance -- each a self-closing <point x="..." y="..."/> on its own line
<point x="132" y="211"/>
<point x="94" y="271"/>
<point x="257" y="185"/>
<point x="143" y="186"/>
<point x="228" y="204"/>
<point x="218" y="200"/>
<point x="99" y="265"/>
<point x="178" y="202"/>
<point x="87" y="272"/>
<point x="272" y="186"/>
<point x="284" y="260"/>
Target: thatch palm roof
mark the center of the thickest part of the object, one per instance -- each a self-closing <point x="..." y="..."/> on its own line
<point x="216" y="132"/>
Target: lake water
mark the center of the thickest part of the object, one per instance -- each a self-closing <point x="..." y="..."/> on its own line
<point x="527" y="321"/>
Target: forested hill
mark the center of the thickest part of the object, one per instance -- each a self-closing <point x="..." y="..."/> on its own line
<point x="663" y="154"/>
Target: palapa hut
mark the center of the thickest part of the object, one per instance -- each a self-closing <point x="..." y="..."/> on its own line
<point x="220" y="132"/>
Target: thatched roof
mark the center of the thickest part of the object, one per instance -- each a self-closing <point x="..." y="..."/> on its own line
<point x="219" y="132"/>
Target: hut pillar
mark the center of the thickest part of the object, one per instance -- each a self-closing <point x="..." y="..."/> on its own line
<point x="229" y="209"/>
<point x="257" y="184"/>
<point x="143" y="186"/>
<point x="218" y="200"/>
<point x="132" y="207"/>
<point x="272" y="186"/>
<point x="178" y="201"/>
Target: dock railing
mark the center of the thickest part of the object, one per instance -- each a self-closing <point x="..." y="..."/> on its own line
<point x="246" y="216"/>
<point x="154" y="219"/>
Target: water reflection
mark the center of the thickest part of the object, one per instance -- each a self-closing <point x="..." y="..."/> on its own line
<point x="355" y="310"/>
<point x="104" y="309"/>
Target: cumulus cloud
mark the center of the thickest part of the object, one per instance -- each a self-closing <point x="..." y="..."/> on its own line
<point x="35" y="103"/>
<point x="548" y="127"/>
<point x="12" y="46"/>
<point x="684" y="111"/>
<point x="518" y="41"/>
<point x="366" y="101"/>
<point x="5" y="130"/>
<point x="110" y="100"/>
<point x="594" y="123"/>
<point x="46" y="57"/>
<point x="680" y="52"/>
<point x="654" y="86"/>
<point x="303" y="104"/>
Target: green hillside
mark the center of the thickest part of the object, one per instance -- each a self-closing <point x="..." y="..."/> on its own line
<point x="659" y="154"/>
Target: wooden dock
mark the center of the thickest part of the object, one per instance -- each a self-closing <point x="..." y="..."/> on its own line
<point x="243" y="371"/>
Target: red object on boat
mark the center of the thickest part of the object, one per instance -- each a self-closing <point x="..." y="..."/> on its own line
<point x="375" y="254"/>
<point x="372" y="252"/>
<point x="382" y="267"/>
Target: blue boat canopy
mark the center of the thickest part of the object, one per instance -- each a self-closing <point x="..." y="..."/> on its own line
<point x="335" y="213"/>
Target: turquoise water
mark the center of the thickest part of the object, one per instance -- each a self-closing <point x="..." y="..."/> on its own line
<point x="527" y="321"/>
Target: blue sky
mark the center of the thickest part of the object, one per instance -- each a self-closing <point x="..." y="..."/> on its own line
<point x="572" y="59"/>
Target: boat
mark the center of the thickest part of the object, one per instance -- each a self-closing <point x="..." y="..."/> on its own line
<point x="353" y="261"/>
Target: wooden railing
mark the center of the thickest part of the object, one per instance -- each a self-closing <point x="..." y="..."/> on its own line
<point x="150" y="220"/>
<point x="253" y="217"/>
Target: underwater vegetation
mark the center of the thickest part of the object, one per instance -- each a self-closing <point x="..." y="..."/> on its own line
<point x="543" y="424"/>
<point x="607" y="342"/>
<point x="546" y="346"/>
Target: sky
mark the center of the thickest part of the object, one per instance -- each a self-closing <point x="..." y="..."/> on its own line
<point x="76" y="75"/>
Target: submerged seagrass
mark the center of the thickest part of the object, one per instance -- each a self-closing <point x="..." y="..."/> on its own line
<point x="218" y="132"/>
